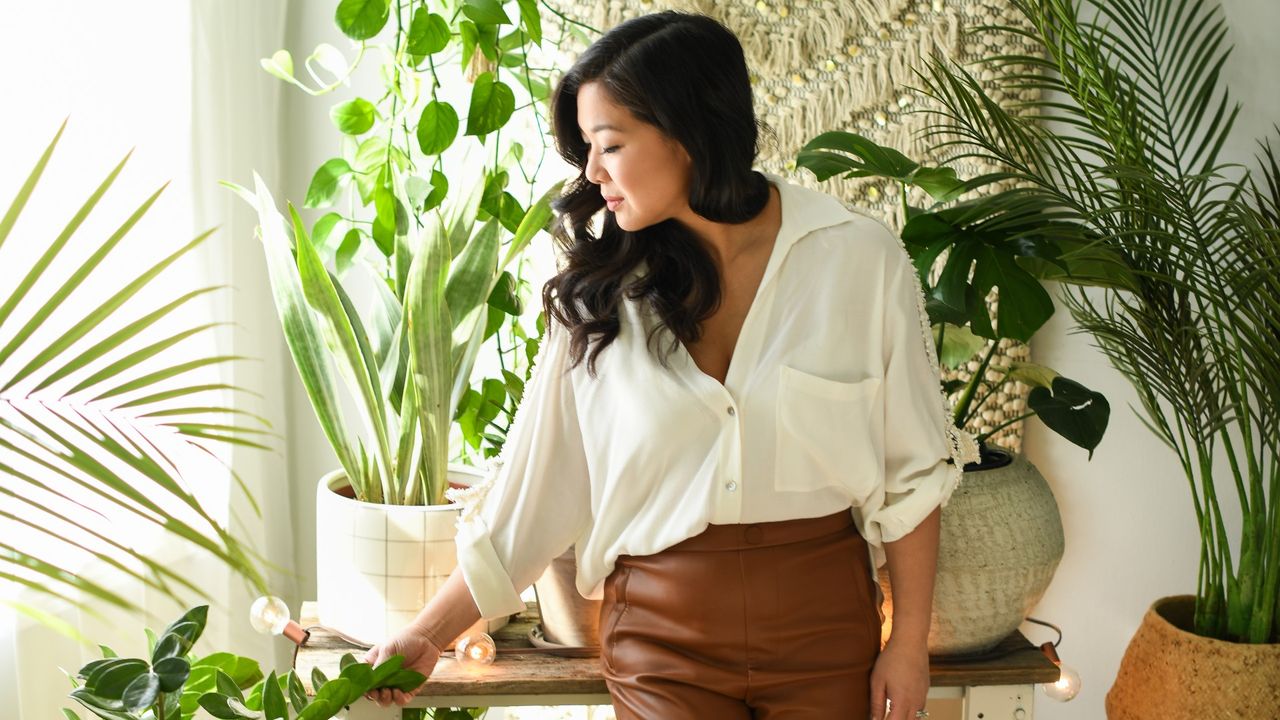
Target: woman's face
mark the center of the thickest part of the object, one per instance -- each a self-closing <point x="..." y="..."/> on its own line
<point x="643" y="175"/>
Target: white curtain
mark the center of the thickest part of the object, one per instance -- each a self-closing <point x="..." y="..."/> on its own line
<point x="180" y="82"/>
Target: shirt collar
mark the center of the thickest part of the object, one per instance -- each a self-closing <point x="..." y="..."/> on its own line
<point x="804" y="211"/>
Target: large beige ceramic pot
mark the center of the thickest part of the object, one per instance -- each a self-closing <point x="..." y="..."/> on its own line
<point x="1170" y="673"/>
<point x="378" y="565"/>
<point x="1000" y="545"/>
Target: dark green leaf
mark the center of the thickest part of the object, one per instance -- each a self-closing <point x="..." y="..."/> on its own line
<point x="386" y="669"/>
<point x="109" y="681"/>
<point x="226" y="685"/>
<point x="353" y="117"/>
<point x="439" y="190"/>
<point x="273" y="706"/>
<point x="322" y="229"/>
<point x="173" y="672"/>
<point x="428" y="33"/>
<point x="362" y="19"/>
<point x="347" y="251"/>
<point x="142" y="692"/>
<point x="504" y="296"/>
<point x="318" y="679"/>
<point x="384" y="222"/>
<point x="437" y="127"/>
<point x="492" y="104"/>
<point x="326" y="183"/>
<point x="470" y="35"/>
<point x="405" y="680"/>
<point x="108" y="708"/>
<point x="485" y="12"/>
<point x="297" y="692"/>
<point x="1073" y="411"/>
<point x="87" y="671"/>
<point x="346" y="661"/>
<point x="227" y="708"/>
<point x="531" y="20"/>
<point x="191" y="625"/>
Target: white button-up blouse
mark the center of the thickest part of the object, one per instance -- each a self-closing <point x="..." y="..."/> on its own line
<point x="832" y="400"/>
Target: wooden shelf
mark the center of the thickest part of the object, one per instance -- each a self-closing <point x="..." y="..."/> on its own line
<point x="537" y="675"/>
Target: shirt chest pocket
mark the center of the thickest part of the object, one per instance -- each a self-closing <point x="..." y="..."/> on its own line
<point x="828" y="434"/>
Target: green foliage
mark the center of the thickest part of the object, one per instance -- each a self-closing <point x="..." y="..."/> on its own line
<point x="446" y="255"/>
<point x="1192" y="325"/>
<point x="175" y="684"/>
<point x="94" y="411"/>
<point x="1009" y="241"/>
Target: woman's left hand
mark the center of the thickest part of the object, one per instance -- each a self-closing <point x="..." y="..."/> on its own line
<point x="900" y="675"/>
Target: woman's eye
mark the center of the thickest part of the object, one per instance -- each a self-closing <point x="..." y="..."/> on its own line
<point x="609" y="149"/>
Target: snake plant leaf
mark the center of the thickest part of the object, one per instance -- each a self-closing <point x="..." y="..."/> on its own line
<point x="429" y="330"/>
<point x="339" y="323"/>
<point x="302" y="329"/>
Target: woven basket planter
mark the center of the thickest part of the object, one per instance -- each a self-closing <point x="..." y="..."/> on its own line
<point x="1169" y="672"/>
<point x="1000" y="544"/>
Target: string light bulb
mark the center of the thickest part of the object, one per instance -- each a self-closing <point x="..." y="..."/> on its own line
<point x="1067" y="685"/>
<point x="269" y="615"/>
<point x="475" y="650"/>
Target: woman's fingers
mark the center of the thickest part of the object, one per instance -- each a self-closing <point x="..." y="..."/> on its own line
<point x="877" y="701"/>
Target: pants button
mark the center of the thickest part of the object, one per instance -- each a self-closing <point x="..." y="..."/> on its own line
<point x="754" y="534"/>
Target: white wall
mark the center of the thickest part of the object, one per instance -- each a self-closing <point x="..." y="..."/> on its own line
<point x="1130" y="525"/>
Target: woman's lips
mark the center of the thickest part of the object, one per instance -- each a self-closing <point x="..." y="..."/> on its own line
<point x="613" y="203"/>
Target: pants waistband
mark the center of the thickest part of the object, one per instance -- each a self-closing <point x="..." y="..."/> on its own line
<point x="744" y="536"/>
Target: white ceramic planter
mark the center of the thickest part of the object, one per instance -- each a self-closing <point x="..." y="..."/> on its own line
<point x="378" y="565"/>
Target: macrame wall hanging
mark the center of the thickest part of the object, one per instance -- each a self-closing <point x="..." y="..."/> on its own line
<point x="821" y="65"/>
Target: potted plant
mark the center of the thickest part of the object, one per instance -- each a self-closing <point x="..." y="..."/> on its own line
<point x="995" y="557"/>
<point x="1138" y="85"/>
<point x="172" y="683"/>
<point x="95" y="418"/>
<point x="445" y="271"/>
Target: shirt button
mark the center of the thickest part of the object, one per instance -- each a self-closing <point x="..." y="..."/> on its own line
<point x="731" y="486"/>
<point x="730" y="410"/>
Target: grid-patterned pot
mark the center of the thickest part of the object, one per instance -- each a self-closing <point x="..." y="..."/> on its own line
<point x="378" y="565"/>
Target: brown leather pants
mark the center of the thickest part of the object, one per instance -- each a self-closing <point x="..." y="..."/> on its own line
<point x="772" y="620"/>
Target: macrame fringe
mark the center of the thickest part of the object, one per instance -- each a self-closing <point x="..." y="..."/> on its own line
<point x="820" y="65"/>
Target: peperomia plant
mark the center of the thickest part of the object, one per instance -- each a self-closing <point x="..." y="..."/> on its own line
<point x="173" y="684"/>
<point x="442" y="288"/>
<point x="1007" y="240"/>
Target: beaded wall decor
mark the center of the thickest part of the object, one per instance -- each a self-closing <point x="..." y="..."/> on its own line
<point x="821" y="65"/>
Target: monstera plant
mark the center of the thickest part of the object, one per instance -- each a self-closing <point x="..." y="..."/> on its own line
<point x="1008" y="241"/>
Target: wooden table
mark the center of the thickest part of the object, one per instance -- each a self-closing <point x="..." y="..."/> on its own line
<point x="1002" y="688"/>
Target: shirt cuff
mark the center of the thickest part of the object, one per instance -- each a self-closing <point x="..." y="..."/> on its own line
<point x="486" y="578"/>
<point x="892" y="522"/>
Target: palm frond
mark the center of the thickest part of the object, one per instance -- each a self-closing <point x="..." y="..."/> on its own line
<point x="89" y="429"/>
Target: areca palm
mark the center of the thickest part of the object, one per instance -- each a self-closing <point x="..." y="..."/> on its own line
<point x="93" y="421"/>
<point x="1142" y="117"/>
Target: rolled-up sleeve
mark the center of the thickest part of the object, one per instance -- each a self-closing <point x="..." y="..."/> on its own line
<point x="924" y="453"/>
<point x="535" y="501"/>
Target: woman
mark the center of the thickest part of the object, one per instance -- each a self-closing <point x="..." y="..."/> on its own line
<point x="758" y="417"/>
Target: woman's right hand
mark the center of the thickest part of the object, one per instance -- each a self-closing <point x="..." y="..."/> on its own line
<point x="420" y="653"/>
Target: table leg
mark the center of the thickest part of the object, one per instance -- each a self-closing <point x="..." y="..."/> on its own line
<point x="999" y="702"/>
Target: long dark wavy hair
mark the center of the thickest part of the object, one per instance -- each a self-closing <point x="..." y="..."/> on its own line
<point x="685" y="74"/>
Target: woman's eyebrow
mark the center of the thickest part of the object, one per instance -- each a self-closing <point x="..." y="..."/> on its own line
<point x="604" y="126"/>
